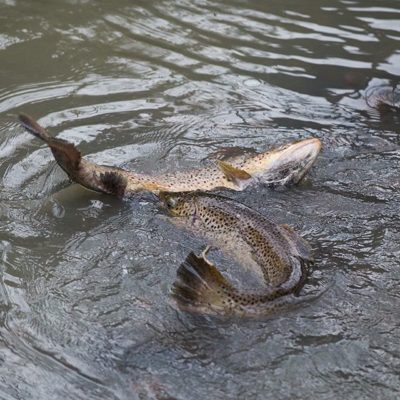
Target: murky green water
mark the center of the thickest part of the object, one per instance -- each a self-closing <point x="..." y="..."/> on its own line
<point x="159" y="86"/>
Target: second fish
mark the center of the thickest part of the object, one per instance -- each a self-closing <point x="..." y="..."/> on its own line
<point x="276" y="251"/>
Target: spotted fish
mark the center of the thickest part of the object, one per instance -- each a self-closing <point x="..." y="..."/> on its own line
<point x="283" y="166"/>
<point x="279" y="252"/>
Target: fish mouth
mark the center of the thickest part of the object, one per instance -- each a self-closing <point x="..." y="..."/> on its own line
<point x="167" y="201"/>
<point x="292" y="162"/>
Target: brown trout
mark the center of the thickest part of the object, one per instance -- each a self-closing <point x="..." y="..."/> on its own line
<point x="283" y="166"/>
<point x="280" y="253"/>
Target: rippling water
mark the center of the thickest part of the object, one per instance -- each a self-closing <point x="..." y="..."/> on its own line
<point x="160" y="86"/>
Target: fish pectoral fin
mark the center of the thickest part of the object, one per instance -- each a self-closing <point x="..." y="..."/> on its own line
<point x="287" y="228"/>
<point x="300" y="247"/>
<point x="232" y="173"/>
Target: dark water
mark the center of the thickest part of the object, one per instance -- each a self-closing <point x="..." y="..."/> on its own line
<point x="157" y="86"/>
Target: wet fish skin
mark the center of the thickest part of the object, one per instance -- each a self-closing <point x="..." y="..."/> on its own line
<point x="281" y="254"/>
<point x="283" y="166"/>
<point x="200" y="287"/>
<point x="90" y="175"/>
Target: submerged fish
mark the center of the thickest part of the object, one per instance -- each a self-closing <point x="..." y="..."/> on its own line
<point x="383" y="97"/>
<point x="285" y="165"/>
<point x="280" y="253"/>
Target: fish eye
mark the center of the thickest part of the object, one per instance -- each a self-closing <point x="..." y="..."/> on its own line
<point x="171" y="202"/>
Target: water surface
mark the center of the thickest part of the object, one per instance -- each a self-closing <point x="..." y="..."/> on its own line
<point x="161" y="86"/>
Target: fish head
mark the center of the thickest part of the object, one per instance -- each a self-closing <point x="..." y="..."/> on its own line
<point x="290" y="163"/>
<point x="179" y="204"/>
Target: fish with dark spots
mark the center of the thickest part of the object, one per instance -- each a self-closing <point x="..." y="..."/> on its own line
<point x="279" y="253"/>
<point x="284" y="165"/>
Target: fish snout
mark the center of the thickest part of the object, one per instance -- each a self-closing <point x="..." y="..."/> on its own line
<point x="168" y="201"/>
<point x="289" y="164"/>
<point x="306" y="149"/>
<point x="302" y="153"/>
<point x="302" y="157"/>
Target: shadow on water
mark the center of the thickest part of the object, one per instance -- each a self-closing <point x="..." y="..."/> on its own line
<point x="85" y="310"/>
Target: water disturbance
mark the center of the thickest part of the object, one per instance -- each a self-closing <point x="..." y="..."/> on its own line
<point x="158" y="87"/>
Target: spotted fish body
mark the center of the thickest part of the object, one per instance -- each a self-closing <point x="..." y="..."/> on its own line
<point x="282" y="166"/>
<point x="280" y="253"/>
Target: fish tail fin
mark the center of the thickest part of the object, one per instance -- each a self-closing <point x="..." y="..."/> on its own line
<point x="200" y="287"/>
<point x="99" y="178"/>
<point x="199" y="284"/>
<point x="33" y="127"/>
<point x="65" y="153"/>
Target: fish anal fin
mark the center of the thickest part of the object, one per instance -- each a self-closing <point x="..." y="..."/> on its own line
<point x="232" y="173"/>
<point x="113" y="183"/>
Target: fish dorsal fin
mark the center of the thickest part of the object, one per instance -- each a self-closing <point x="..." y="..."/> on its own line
<point x="232" y="173"/>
